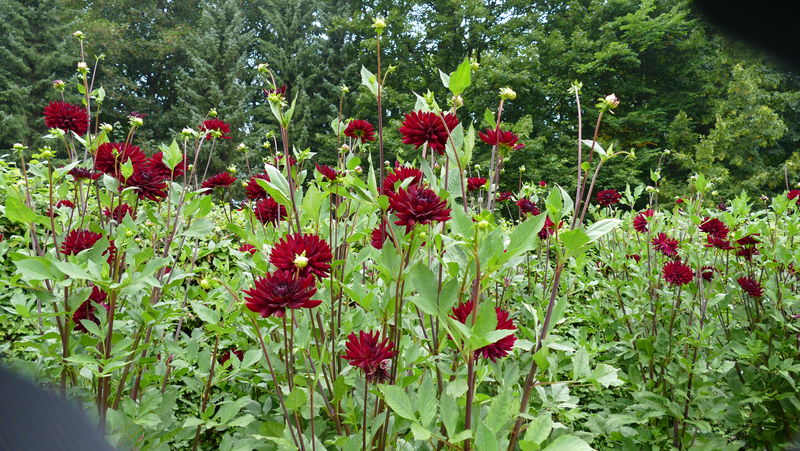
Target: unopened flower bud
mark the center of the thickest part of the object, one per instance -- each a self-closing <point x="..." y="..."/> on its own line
<point x="57" y="132"/>
<point x="458" y="101"/>
<point x="59" y="84"/>
<point x="474" y="65"/>
<point x="344" y="148"/>
<point x="78" y="34"/>
<point x="263" y="67"/>
<point x="135" y="121"/>
<point x="266" y="145"/>
<point x="106" y="127"/>
<point x="244" y="184"/>
<point x="300" y="261"/>
<point x="612" y="101"/>
<point x="386" y="163"/>
<point x="483" y="224"/>
<point x="212" y="112"/>
<point x="19" y="147"/>
<point x="187" y="132"/>
<point x="359" y="170"/>
<point x="232" y="169"/>
<point x="205" y="284"/>
<point x="379" y="23"/>
<point x="507" y="93"/>
<point x="129" y="233"/>
<point x="522" y="168"/>
<point x="83" y="68"/>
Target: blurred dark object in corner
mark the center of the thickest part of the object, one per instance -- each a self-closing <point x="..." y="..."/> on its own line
<point x="769" y="26"/>
<point x="33" y="419"/>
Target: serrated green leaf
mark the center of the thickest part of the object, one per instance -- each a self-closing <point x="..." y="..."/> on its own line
<point x="398" y="400"/>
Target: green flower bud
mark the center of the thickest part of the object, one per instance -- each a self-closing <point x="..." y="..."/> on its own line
<point x="612" y="101"/>
<point x="205" y="284"/>
<point x="507" y="93"/>
<point x="379" y="23"/>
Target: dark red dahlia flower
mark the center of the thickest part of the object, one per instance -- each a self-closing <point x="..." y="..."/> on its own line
<point x="280" y="91"/>
<point x="504" y="196"/>
<point x="302" y="253"/>
<point x="475" y="183"/>
<point x="635" y="257"/>
<point x="328" y="172"/>
<point x="148" y="184"/>
<point x="67" y="117"/>
<point x="679" y="201"/>
<point x="119" y="212"/>
<point x="718" y="242"/>
<point x="665" y="245"/>
<point x="157" y="166"/>
<point x="221" y="180"/>
<point x="253" y="190"/>
<point x="79" y="240"/>
<point x="608" y="197"/>
<point x="548" y="229"/>
<point x="420" y="127"/>
<point x="379" y="235"/>
<point x="218" y="125"/>
<point x="640" y="220"/>
<point x="498" y="349"/>
<point x="65" y="203"/>
<point x="360" y="129"/>
<point x="722" y="207"/>
<point x="400" y="174"/>
<point x="280" y="290"/>
<point x="417" y="206"/>
<point x="527" y="207"/>
<point x="84" y="174"/>
<point x="707" y="273"/>
<point x="746" y="246"/>
<point x="677" y="273"/>
<point x="246" y="247"/>
<point x="794" y="195"/>
<point x="715" y="227"/>
<point x="504" y="140"/>
<point x="542" y="183"/>
<point x="230" y="353"/>
<point x="111" y="156"/>
<point x="87" y="309"/>
<point x="269" y="211"/>
<point x="751" y="286"/>
<point x="368" y="352"/>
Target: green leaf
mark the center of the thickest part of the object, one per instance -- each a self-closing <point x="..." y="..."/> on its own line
<point x="72" y="270"/>
<point x="575" y="242"/>
<point x="523" y="238"/>
<point x="461" y="79"/>
<point x="566" y="201"/>
<point x="297" y="398"/>
<point x="424" y="282"/>
<point x="420" y="432"/>
<point x="251" y="357"/>
<point x="398" y="400"/>
<point x="605" y="375"/>
<point x="449" y="410"/>
<point x="426" y="402"/>
<point x="538" y="430"/>
<point x="199" y="228"/>
<point x="580" y="364"/>
<point x="36" y="268"/>
<point x="126" y="169"/>
<point x="488" y="116"/>
<point x="485" y="439"/>
<point x="445" y="79"/>
<point x="602" y="227"/>
<point x="17" y="211"/>
<point x="172" y="155"/>
<point x="277" y="187"/>
<point x="369" y="80"/>
<point x="568" y="443"/>
<point x="555" y="205"/>
<point x="206" y="314"/>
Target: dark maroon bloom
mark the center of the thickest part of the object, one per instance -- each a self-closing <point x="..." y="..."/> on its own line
<point x="504" y="196"/>
<point x="65" y="203"/>
<point x="328" y="172"/>
<point x="148" y="184"/>
<point x="138" y="115"/>
<point x="221" y="180"/>
<point x="679" y="201"/>
<point x="751" y="286"/>
<point x="420" y="127"/>
<point x="707" y="272"/>
<point x="677" y="273"/>
<point x="417" y="206"/>
<point x="79" y="240"/>
<point x="527" y="207"/>
<point x="280" y="290"/>
<point x="794" y="195"/>
<point x="368" y="352"/>
<point x="67" y="117"/>
<point x="498" y="349"/>
<point x="246" y="247"/>
<point x="665" y="245"/>
<point x="399" y="174"/>
<point x="715" y="227"/>
<point x="218" y="125"/>
<point x="718" y="242"/>
<point x="635" y="257"/>
<point x="379" y="235"/>
<point x="280" y="91"/>
<point x="269" y="211"/>
<point x="475" y="183"/>
<point x="157" y="166"/>
<point x="360" y="129"/>
<point x="504" y="140"/>
<point x="722" y="207"/>
<point x="640" y="220"/>
<point x="253" y="190"/>
<point x="548" y="229"/>
<point x="608" y="197"/>
<point x="111" y="156"/>
<point x="84" y="174"/>
<point x="119" y="212"/>
<point x="87" y="309"/>
<point x="302" y="253"/>
<point x="746" y="246"/>
<point x="279" y="161"/>
<point x="230" y="353"/>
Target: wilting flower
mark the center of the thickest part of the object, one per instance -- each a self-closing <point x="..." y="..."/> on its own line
<point x="498" y="349"/>
<point x="475" y="183"/>
<point x="608" y="197"/>
<point x="399" y="174"/>
<point x="267" y="210"/>
<point x="217" y="125"/>
<point x="148" y="184"/>
<point x="527" y="207"/>
<point x="360" y="129"/>
<point x="504" y="140"/>
<point x="420" y="127"/>
<point x="111" y="156"/>
<point x="640" y="220"/>
<point x="715" y="227"/>
<point x="157" y="166"/>
<point x="707" y="273"/>
<point x="328" y="172"/>
<point x="78" y="240"/>
<point x="119" y="212"/>
<point x="751" y="286"/>
<point x="677" y="273"/>
<point x="504" y="196"/>
<point x="246" y="247"/>
<point x="368" y="352"/>
<point x="84" y="174"/>
<point x="417" y="206"/>
<point x="379" y="235"/>
<point x="66" y="116"/>
<point x="280" y="290"/>
<point x="666" y="245"/>
<point x="221" y="180"/>
<point x="302" y="253"/>
<point x="253" y="190"/>
<point x="87" y="309"/>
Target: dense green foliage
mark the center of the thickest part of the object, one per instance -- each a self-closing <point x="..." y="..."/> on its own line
<point x="715" y="105"/>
